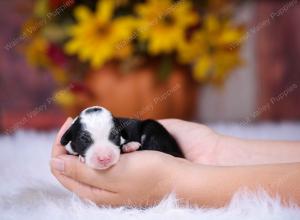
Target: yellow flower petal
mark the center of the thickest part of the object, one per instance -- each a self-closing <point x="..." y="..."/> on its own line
<point x="65" y="98"/>
<point x="95" y="37"/>
<point x="82" y="13"/>
<point x="163" y="24"/>
<point x="190" y="18"/>
<point x="212" y="23"/>
<point x="72" y="47"/>
<point x="203" y="68"/>
<point x="189" y="51"/>
<point x="36" y="50"/>
<point x="230" y="36"/>
<point x="105" y="9"/>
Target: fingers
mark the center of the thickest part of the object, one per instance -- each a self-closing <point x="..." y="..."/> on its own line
<point x="165" y="122"/>
<point x="170" y="124"/>
<point x="71" y="167"/>
<point x="58" y="149"/>
<point x="96" y="195"/>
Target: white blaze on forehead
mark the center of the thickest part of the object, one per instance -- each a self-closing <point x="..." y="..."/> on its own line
<point x="98" y="123"/>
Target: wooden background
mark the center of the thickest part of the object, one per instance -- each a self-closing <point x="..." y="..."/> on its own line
<point x="278" y="59"/>
<point x="23" y="89"/>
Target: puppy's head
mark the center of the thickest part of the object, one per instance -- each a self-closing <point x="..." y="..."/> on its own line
<point x="93" y="136"/>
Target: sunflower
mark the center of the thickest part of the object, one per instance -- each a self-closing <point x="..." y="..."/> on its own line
<point x="65" y="98"/>
<point x="96" y="35"/>
<point x="163" y="24"/>
<point x="211" y="51"/>
<point x="35" y="51"/>
<point x="215" y="67"/>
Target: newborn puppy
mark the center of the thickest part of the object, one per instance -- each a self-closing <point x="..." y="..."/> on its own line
<point x="98" y="138"/>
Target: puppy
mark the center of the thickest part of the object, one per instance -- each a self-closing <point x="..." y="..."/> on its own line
<point x="98" y="138"/>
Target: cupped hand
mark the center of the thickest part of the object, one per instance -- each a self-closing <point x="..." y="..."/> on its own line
<point x="198" y="142"/>
<point x="140" y="178"/>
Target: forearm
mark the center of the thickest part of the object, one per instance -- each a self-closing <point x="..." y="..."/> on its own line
<point x="235" y="151"/>
<point x="215" y="186"/>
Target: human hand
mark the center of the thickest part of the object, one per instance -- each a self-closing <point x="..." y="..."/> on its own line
<point x="144" y="178"/>
<point x="198" y="142"/>
<point x="140" y="178"/>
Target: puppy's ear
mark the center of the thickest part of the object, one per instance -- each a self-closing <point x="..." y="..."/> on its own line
<point x="67" y="137"/>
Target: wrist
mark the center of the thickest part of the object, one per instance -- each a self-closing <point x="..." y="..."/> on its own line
<point x="202" y="185"/>
<point x="229" y="151"/>
<point x="187" y="181"/>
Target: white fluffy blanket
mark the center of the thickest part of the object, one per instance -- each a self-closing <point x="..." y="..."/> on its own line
<point x="28" y="190"/>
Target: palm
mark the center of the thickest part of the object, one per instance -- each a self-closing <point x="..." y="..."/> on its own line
<point x="198" y="142"/>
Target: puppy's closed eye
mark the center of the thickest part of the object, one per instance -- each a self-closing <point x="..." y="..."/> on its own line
<point x="85" y="138"/>
<point x="115" y="137"/>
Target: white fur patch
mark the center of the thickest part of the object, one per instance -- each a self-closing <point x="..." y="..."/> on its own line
<point x="70" y="150"/>
<point x="122" y="140"/>
<point x="143" y="138"/>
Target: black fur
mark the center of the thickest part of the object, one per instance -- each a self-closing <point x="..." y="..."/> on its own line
<point x="93" y="110"/>
<point x="80" y="138"/>
<point x="156" y="136"/>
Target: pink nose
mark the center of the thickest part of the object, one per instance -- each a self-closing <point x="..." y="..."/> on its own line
<point x="104" y="160"/>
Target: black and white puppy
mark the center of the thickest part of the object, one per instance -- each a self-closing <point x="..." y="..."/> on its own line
<point x="98" y="138"/>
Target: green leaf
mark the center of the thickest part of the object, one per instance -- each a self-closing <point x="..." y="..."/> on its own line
<point x="165" y="67"/>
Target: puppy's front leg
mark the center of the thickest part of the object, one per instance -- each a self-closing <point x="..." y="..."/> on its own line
<point x="130" y="147"/>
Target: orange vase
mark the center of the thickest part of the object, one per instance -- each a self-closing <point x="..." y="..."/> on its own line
<point x="140" y="94"/>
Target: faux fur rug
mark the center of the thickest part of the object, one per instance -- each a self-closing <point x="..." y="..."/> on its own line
<point x="28" y="190"/>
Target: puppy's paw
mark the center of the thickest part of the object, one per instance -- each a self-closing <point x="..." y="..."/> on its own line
<point x="130" y="147"/>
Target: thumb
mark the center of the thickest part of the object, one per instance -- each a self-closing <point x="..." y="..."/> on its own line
<point x="73" y="168"/>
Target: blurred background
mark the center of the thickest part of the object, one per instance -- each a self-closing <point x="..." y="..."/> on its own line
<point x="206" y="61"/>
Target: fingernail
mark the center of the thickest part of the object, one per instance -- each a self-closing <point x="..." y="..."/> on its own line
<point x="58" y="164"/>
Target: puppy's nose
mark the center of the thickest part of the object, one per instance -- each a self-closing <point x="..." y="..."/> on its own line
<point x="104" y="160"/>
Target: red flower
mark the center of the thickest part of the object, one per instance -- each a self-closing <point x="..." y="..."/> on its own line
<point x="78" y="87"/>
<point x="56" y="55"/>
<point x="53" y="4"/>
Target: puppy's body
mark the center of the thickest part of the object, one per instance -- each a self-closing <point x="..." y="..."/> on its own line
<point x="99" y="138"/>
<point x="150" y="134"/>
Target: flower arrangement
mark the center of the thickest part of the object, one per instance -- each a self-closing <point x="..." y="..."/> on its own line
<point x="81" y="35"/>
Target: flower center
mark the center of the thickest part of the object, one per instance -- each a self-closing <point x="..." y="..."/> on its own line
<point x="168" y="20"/>
<point x="103" y="30"/>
